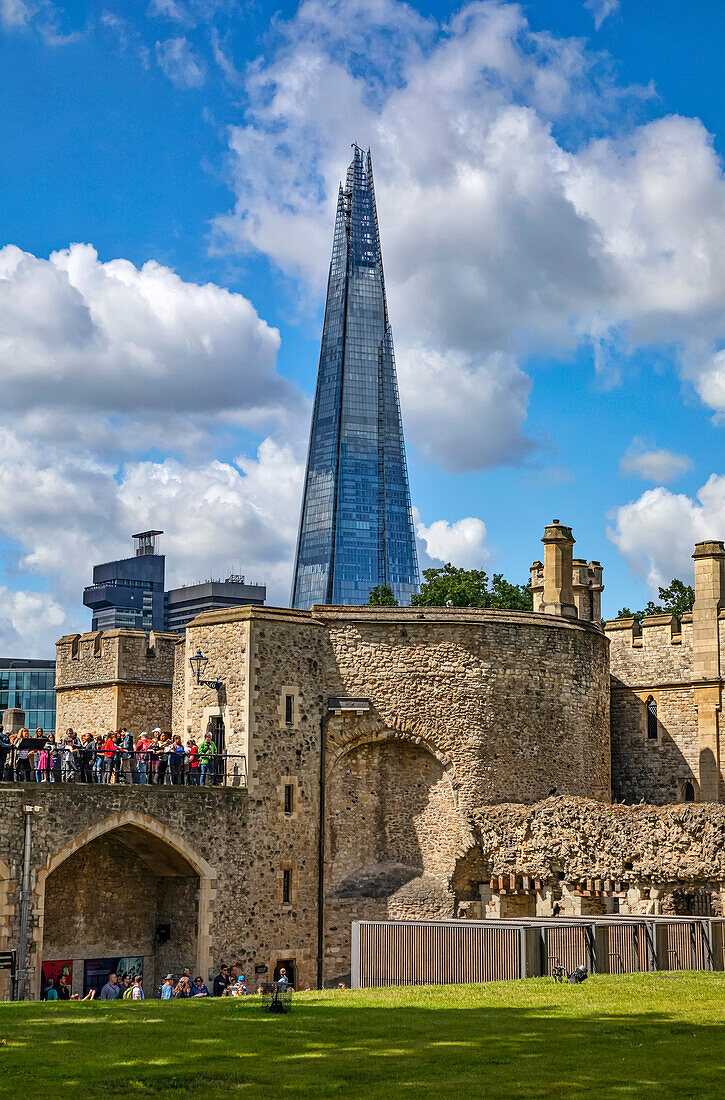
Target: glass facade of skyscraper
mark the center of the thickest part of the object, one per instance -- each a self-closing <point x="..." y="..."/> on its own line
<point x="29" y="685"/>
<point x="356" y="528"/>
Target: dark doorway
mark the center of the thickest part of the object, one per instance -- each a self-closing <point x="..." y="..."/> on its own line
<point x="290" y="970"/>
<point x="216" y="729"/>
<point x="689" y="792"/>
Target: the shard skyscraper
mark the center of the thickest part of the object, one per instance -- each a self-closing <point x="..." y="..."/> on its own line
<point x="356" y="527"/>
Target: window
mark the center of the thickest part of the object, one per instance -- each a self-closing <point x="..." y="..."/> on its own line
<point x="289" y="798"/>
<point x="289" y="710"/>
<point x="652" y="725"/>
<point x="286" y="886"/>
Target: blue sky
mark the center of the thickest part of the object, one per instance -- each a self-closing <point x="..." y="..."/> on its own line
<point x="552" y="209"/>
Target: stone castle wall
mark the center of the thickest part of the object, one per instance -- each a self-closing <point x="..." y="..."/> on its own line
<point x="466" y="706"/>
<point x="114" y="679"/>
<point x="656" y="661"/>
<point x="515" y="701"/>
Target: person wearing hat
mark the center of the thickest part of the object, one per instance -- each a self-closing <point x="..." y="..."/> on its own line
<point x="167" y="989"/>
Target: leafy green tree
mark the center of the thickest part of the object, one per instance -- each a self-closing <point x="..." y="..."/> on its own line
<point x="471" y="588"/>
<point x="677" y="599"/>
<point x="382" y="596"/>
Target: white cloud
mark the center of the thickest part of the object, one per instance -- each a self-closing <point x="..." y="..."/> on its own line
<point x="178" y="61"/>
<point x="40" y="15"/>
<point x="658" y="464"/>
<point x="65" y="511"/>
<point x="500" y="238"/>
<point x="102" y="362"/>
<point x="30" y="623"/>
<point x="601" y="10"/>
<point x="463" y="543"/>
<point x="85" y="338"/>
<point x="16" y="13"/>
<point x="463" y="410"/>
<point x="656" y="533"/>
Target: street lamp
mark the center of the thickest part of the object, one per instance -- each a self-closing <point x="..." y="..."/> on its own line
<point x="198" y="666"/>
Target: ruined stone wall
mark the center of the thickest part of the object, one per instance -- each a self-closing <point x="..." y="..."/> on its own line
<point x="572" y="840"/>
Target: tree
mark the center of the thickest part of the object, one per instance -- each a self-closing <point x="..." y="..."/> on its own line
<point x="382" y="596"/>
<point x="677" y="599"/>
<point x="471" y="588"/>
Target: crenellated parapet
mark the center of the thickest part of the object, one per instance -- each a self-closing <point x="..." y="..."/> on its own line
<point x="667" y="685"/>
<point x="657" y="650"/>
<point x="114" y="678"/>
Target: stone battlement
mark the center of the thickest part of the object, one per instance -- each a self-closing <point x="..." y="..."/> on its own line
<point x="114" y="678"/>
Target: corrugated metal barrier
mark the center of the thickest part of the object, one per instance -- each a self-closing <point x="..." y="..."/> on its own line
<point x="388" y="953"/>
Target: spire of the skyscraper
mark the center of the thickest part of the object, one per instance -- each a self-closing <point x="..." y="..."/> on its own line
<point x="356" y="527"/>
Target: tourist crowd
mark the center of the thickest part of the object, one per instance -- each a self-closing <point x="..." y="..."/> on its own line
<point x="229" y="982"/>
<point x="115" y="757"/>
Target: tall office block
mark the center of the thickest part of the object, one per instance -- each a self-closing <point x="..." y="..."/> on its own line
<point x="356" y="527"/>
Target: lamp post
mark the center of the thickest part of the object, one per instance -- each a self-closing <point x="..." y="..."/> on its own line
<point x="198" y="666"/>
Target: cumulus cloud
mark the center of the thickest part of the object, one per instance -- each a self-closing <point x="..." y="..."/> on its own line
<point x="64" y="511"/>
<point x="656" y="533"/>
<point x="463" y="543"/>
<point x="656" y="464"/>
<point x="462" y="410"/>
<point x="504" y="231"/>
<point x="178" y="61"/>
<point x="112" y="340"/>
<point x="101" y="363"/>
<point x="30" y="623"/>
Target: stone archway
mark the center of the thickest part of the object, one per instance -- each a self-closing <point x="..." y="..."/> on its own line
<point x="393" y="834"/>
<point x="110" y="890"/>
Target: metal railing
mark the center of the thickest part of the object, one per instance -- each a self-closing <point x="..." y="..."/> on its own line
<point x="386" y="953"/>
<point x="131" y="768"/>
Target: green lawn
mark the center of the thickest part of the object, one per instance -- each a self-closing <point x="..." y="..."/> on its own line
<point x="656" y="1035"/>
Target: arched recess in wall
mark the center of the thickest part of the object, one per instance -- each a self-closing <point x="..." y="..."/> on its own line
<point x="167" y="869"/>
<point x="393" y="831"/>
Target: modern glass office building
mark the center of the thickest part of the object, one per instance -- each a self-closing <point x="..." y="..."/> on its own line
<point x="129" y="592"/>
<point x="356" y="526"/>
<point x="29" y="685"/>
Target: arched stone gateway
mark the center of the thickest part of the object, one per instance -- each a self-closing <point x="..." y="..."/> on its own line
<point x="128" y="887"/>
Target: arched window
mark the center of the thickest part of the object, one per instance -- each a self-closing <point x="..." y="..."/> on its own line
<point x="651" y="719"/>
<point x="689" y="791"/>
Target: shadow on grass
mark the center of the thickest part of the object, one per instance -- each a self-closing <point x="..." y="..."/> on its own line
<point x="605" y="1039"/>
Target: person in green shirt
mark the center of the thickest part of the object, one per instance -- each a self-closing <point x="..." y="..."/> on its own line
<point x="207" y="752"/>
<point x="50" y="993"/>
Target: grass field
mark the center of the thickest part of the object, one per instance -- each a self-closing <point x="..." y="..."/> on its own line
<point x="655" y="1035"/>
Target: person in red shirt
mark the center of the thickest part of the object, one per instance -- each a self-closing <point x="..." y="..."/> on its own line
<point x="109" y="751"/>
<point x="192" y="763"/>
